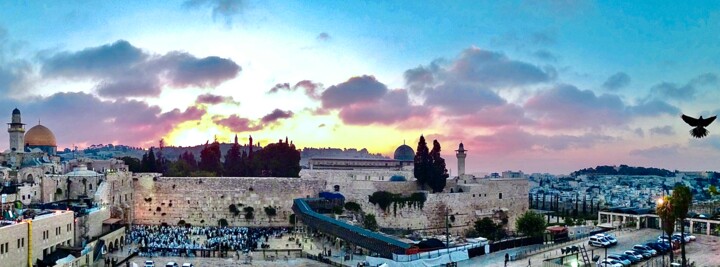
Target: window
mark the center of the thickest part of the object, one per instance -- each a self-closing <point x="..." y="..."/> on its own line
<point x="91" y="186"/>
<point x="500" y="195"/>
<point x="22" y="242"/>
<point x="23" y="197"/>
<point x="69" y="227"/>
<point x="18" y="244"/>
<point x="473" y="195"/>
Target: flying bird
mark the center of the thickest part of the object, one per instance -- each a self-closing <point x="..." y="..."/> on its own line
<point x="699" y="131"/>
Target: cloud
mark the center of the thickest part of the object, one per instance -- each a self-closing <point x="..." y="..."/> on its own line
<point x="275" y="115"/>
<point x="639" y="132"/>
<point x="458" y="100"/>
<point x="227" y="9"/>
<point x="323" y="36"/>
<point x="566" y="106"/>
<point x="496" y="116"/>
<point x="84" y="118"/>
<point x="237" y="124"/>
<point x="513" y="139"/>
<point x="123" y="70"/>
<point x="684" y="92"/>
<point x="494" y="69"/>
<point x="477" y="68"/>
<point x="214" y="99"/>
<point x="362" y="89"/>
<point x="664" y="130"/>
<point x="617" y="81"/>
<point x="393" y="107"/>
<point x="656" y="151"/>
<point x="310" y="88"/>
<point x="545" y="55"/>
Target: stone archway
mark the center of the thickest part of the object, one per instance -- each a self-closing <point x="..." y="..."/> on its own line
<point x="122" y="240"/>
<point x="116" y="244"/>
<point x="110" y="247"/>
<point x="29" y="178"/>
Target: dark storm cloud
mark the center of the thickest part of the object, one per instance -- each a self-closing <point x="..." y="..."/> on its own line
<point x="275" y="115"/>
<point x="617" y="81"/>
<point x="84" y="118"/>
<point x="227" y="9"/>
<point x="394" y="107"/>
<point x="362" y="89"/>
<point x="123" y="70"/>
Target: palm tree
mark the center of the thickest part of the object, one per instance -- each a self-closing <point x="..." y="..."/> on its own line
<point x="681" y="201"/>
<point x="664" y="210"/>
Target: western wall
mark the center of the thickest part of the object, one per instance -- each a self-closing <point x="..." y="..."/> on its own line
<point x="204" y="201"/>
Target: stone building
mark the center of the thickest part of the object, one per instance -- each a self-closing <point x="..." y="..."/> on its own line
<point x="402" y="159"/>
<point x="25" y="242"/>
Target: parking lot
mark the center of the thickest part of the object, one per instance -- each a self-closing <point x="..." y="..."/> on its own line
<point x="703" y="251"/>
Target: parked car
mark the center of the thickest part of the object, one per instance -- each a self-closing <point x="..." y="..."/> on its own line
<point x="659" y="247"/>
<point x="596" y="241"/>
<point x="631" y="258"/>
<point x="611" y="239"/>
<point x="149" y="263"/>
<point x="609" y="263"/>
<point x="634" y="254"/>
<point x="171" y="264"/>
<point x="692" y="237"/>
<point x="622" y="259"/>
<point x="645" y="253"/>
<point x="648" y="249"/>
<point x="679" y="236"/>
<point x="188" y="265"/>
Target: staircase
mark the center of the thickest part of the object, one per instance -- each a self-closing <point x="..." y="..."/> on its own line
<point x="586" y="259"/>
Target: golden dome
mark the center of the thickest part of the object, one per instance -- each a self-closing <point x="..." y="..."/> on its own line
<point x="40" y="135"/>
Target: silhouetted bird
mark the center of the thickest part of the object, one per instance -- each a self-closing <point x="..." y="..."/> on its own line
<point x="699" y="131"/>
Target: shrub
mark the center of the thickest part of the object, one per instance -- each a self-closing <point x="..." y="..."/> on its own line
<point x="370" y="223"/>
<point x="181" y="222"/>
<point x="352" y="206"/>
<point x="158" y="209"/>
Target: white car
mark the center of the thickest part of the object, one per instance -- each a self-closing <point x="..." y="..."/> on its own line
<point x="171" y="264"/>
<point x="149" y="263"/>
<point x="597" y="241"/>
<point x="188" y="265"/>
<point x="609" y="263"/>
<point x="679" y="236"/>
<point x="609" y="238"/>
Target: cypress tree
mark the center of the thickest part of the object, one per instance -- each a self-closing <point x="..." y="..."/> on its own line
<point x="439" y="173"/>
<point x="422" y="163"/>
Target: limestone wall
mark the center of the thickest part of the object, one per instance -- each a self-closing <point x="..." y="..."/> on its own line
<point x="205" y="200"/>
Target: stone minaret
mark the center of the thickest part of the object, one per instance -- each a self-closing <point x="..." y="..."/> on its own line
<point x="16" y="130"/>
<point x="460" y="153"/>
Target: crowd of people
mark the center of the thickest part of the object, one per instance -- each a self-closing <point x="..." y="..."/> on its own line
<point x="182" y="240"/>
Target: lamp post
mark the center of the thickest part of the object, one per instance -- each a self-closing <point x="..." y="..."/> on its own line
<point x="660" y="202"/>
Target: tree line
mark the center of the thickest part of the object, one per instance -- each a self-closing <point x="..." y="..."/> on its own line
<point x="624" y="170"/>
<point x="279" y="159"/>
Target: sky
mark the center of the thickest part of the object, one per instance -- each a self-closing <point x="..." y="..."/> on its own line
<point x="537" y="86"/>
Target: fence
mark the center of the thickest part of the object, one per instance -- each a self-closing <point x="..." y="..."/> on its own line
<point x="553" y="246"/>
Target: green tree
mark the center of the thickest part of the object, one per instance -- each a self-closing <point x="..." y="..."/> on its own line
<point x="486" y="228"/>
<point x="233" y="160"/>
<point x="681" y="201"/>
<point x="277" y="160"/>
<point x="249" y="213"/>
<point x="713" y="190"/>
<point x="270" y="212"/>
<point x="370" y="223"/>
<point x="439" y="172"/>
<point x="530" y="224"/>
<point x="664" y="210"/>
<point x="337" y="210"/>
<point x="133" y="163"/>
<point x="569" y="221"/>
<point x="210" y="158"/>
<point x="422" y="163"/>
